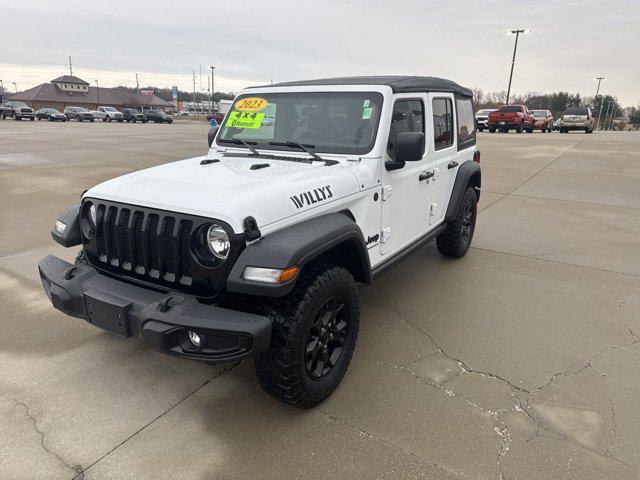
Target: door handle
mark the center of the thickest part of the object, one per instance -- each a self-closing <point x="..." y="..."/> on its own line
<point x="425" y="176"/>
<point x="452" y="164"/>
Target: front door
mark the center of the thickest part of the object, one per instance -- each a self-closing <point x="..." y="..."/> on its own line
<point x="405" y="197"/>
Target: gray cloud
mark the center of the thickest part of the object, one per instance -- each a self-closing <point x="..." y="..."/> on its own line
<point x="253" y="41"/>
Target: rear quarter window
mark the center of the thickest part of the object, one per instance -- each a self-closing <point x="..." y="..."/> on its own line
<point x="466" y="123"/>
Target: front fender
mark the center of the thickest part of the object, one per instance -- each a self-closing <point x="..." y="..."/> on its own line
<point x="298" y="245"/>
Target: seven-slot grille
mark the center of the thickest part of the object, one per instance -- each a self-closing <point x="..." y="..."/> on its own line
<point x="154" y="245"/>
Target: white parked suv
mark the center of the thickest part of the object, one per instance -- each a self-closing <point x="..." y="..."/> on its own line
<point x="111" y="114"/>
<point x="482" y="118"/>
<point x="256" y="248"/>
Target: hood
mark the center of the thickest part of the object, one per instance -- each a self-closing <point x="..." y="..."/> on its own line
<point x="230" y="190"/>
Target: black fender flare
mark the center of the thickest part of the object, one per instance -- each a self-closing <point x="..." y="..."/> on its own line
<point x="297" y="245"/>
<point x="70" y="237"/>
<point x="468" y="174"/>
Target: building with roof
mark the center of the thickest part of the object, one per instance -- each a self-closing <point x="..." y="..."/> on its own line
<point x="69" y="90"/>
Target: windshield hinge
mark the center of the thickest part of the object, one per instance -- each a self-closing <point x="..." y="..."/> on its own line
<point x="386" y="192"/>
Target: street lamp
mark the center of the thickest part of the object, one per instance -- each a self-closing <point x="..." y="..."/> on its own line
<point x="213" y="90"/>
<point x="517" y="33"/>
<point x="98" y="91"/>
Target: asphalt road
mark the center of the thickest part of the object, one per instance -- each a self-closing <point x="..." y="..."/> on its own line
<point x="519" y="361"/>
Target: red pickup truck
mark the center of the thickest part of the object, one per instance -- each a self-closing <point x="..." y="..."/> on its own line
<point x="509" y="117"/>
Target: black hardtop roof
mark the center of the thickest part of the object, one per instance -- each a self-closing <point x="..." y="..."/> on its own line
<point x="398" y="83"/>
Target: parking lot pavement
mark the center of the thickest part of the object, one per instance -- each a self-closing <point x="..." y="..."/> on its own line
<point x="529" y="371"/>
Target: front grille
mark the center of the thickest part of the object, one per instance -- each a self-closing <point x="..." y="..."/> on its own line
<point x="152" y="245"/>
<point x="26" y="110"/>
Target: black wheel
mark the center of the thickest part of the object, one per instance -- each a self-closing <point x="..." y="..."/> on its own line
<point x="92" y="120"/>
<point x="32" y="119"/>
<point x="79" y="119"/>
<point x="315" y="329"/>
<point x="456" y="239"/>
<point x="492" y="129"/>
<point x="480" y="129"/>
<point x="108" y="119"/>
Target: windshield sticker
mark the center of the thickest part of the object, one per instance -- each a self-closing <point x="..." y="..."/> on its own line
<point x="251" y="104"/>
<point x="366" y="103"/>
<point x="244" y="119"/>
<point x="366" y="113"/>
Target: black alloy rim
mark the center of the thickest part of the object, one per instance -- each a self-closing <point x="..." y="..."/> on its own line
<point x="326" y="337"/>
<point x="467" y="223"/>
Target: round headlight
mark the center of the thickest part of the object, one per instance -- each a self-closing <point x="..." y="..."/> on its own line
<point x="218" y="242"/>
<point x="93" y="215"/>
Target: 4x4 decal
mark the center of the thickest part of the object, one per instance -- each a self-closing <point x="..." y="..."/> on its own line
<point x="312" y="196"/>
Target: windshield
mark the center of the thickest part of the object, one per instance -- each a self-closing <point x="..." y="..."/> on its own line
<point x="539" y="113"/>
<point x="329" y="122"/>
<point x="484" y="112"/>
<point x="18" y="104"/>
<point x="510" y="108"/>
<point x="109" y="109"/>
<point x="80" y="109"/>
<point x="576" y="111"/>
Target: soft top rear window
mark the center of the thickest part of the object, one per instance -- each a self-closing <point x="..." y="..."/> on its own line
<point x="576" y="111"/>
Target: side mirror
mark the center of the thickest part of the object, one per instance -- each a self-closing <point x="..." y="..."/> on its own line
<point x="212" y="134"/>
<point x="409" y="147"/>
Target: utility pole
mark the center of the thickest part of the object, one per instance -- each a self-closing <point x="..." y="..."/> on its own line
<point x="70" y="66"/>
<point x="213" y="91"/>
<point x="194" y="90"/>
<point x="15" y="87"/>
<point x="600" y="114"/>
<point x="517" y="33"/>
<point x="137" y="84"/>
<point x="1" y="91"/>
<point x="596" y="99"/>
<point x="598" y="89"/>
<point x="98" y="91"/>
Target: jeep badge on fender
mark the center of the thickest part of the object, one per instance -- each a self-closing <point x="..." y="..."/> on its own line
<point x="257" y="248"/>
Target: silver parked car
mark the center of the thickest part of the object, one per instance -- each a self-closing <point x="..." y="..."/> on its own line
<point x="482" y="118"/>
<point x="577" y="118"/>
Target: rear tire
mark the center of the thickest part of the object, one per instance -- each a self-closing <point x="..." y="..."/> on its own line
<point x="315" y="329"/>
<point x="518" y="128"/>
<point x="456" y="239"/>
<point x="492" y="130"/>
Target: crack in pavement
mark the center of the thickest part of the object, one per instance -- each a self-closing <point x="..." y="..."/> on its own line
<point x="75" y="468"/>
<point x="222" y="372"/>
<point x="501" y="428"/>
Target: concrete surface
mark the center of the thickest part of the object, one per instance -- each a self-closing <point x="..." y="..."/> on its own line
<point x="519" y="361"/>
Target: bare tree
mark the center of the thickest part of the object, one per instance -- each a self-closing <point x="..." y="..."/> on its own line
<point x="478" y="96"/>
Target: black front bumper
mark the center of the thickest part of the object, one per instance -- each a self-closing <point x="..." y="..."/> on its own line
<point x="161" y="319"/>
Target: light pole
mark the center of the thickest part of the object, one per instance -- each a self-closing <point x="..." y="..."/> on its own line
<point x="606" y="115"/>
<point x="15" y="87"/>
<point x="213" y="90"/>
<point x="613" y="117"/>
<point x="596" y="98"/>
<point x="517" y="33"/>
<point x="98" y="91"/>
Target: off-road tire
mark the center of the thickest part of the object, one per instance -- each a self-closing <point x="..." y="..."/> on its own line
<point x="518" y="128"/>
<point x="81" y="258"/>
<point x="282" y="369"/>
<point x="454" y="242"/>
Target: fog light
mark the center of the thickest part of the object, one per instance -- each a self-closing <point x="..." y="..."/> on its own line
<point x="195" y="339"/>
<point x="60" y="227"/>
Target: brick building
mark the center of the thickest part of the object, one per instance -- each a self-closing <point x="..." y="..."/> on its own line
<point x="69" y="90"/>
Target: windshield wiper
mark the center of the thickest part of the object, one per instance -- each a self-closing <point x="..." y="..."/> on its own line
<point x="305" y="147"/>
<point x="238" y="141"/>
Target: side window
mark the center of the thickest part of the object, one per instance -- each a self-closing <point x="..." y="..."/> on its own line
<point x="442" y="123"/>
<point x="466" y="123"/>
<point x="408" y="116"/>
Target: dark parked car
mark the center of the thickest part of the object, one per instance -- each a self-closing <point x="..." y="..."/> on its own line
<point x="79" y="114"/>
<point x="50" y="114"/>
<point x="19" y="110"/>
<point x="218" y="116"/>
<point x="158" y="116"/>
<point x="133" y="115"/>
<point x="5" y="111"/>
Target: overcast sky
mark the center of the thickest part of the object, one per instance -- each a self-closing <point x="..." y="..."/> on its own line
<point x="254" y="41"/>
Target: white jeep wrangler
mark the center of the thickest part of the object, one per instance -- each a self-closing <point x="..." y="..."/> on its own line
<point x="256" y="248"/>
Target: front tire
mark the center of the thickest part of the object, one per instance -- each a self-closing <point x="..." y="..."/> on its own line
<point x="456" y="239"/>
<point x="315" y="329"/>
